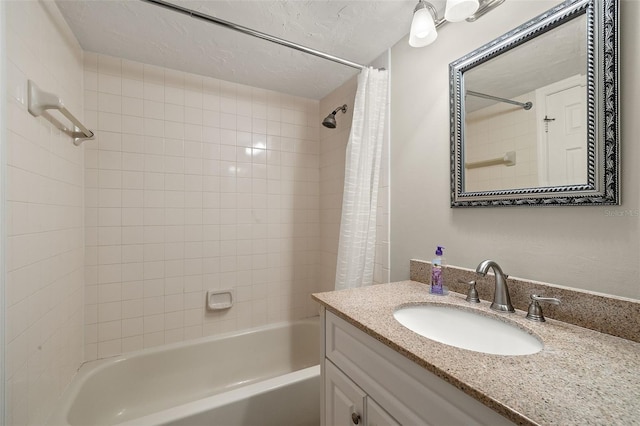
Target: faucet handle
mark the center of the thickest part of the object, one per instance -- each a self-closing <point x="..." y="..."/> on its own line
<point x="535" y="311"/>
<point x="472" y="294"/>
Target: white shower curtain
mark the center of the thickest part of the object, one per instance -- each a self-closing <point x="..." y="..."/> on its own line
<point x="356" y="249"/>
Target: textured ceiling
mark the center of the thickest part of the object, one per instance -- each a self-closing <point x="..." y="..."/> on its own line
<point x="356" y="30"/>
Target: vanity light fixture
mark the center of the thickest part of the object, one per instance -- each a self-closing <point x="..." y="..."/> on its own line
<point x="426" y="21"/>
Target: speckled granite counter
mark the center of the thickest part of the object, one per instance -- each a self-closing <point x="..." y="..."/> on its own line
<point x="581" y="377"/>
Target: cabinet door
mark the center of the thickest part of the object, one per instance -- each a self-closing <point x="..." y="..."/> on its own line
<point x="344" y="400"/>
<point x="376" y="416"/>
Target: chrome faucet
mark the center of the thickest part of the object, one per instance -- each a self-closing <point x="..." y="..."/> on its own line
<point x="501" y="299"/>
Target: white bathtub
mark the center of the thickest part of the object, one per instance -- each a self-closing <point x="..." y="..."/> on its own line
<point x="263" y="376"/>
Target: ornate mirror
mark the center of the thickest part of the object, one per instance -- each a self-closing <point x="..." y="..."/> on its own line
<point x="534" y="113"/>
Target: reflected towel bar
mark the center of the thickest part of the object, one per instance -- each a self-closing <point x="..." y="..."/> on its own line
<point x="509" y="159"/>
<point x="40" y="101"/>
<point x="526" y="105"/>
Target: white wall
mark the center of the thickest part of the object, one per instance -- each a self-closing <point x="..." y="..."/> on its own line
<point x="585" y="247"/>
<point x="193" y="184"/>
<point x="44" y="215"/>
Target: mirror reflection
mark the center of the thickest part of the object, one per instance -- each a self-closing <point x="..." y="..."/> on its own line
<point x="526" y="116"/>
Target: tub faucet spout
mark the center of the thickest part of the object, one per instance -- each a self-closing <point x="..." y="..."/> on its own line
<point x="501" y="299"/>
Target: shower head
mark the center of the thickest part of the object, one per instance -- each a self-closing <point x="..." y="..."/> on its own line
<point x="330" y="120"/>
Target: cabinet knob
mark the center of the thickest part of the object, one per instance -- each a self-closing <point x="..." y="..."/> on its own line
<point x="355" y="418"/>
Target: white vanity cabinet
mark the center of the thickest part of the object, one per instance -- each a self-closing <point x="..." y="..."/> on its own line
<point x="367" y="382"/>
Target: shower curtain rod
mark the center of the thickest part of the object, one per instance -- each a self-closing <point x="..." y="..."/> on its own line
<point x="527" y="105"/>
<point x="254" y="33"/>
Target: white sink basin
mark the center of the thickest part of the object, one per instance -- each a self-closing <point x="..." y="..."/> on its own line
<point x="467" y="330"/>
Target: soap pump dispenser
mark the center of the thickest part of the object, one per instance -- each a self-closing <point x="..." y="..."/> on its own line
<point x="437" y="279"/>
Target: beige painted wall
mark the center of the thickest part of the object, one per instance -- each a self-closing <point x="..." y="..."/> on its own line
<point x="586" y="247"/>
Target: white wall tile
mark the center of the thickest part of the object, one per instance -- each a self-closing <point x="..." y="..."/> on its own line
<point x="109" y="84"/>
<point x="181" y="204"/>
<point x="133" y="88"/>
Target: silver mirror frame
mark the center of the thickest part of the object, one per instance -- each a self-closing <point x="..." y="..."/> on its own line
<point x="603" y="168"/>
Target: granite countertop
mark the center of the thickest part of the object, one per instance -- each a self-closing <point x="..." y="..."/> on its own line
<point x="581" y="377"/>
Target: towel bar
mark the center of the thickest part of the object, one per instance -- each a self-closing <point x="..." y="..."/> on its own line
<point x="508" y="159"/>
<point x="41" y="101"/>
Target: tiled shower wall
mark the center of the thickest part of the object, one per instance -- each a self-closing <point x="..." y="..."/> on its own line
<point x="44" y="211"/>
<point x="193" y="184"/>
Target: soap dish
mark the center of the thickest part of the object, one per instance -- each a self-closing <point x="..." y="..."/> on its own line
<point x="218" y="300"/>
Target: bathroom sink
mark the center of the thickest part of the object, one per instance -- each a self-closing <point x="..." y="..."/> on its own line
<point x="467" y="330"/>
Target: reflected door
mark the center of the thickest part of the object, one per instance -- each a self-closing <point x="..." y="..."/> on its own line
<point x="564" y="134"/>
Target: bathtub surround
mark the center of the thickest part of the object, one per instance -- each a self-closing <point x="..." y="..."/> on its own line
<point x="193" y="184"/>
<point x="617" y="316"/>
<point x="44" y="215"/>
